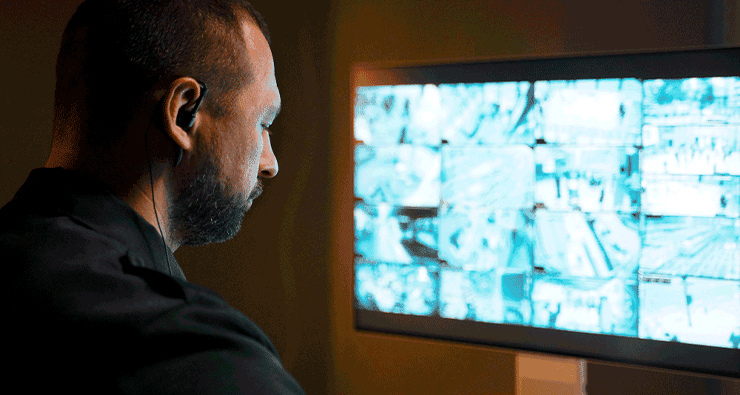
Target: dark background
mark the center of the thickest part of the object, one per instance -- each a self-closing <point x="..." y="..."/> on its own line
<point x="290" y="268"/>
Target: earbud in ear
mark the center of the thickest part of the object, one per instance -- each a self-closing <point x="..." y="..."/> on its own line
<point x="186" y="119"/>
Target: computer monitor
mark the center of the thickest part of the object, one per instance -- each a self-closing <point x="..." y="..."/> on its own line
<point x="586" y="206"/>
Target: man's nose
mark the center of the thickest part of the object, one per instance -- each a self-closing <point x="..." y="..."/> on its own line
<point x="268" y="162"/>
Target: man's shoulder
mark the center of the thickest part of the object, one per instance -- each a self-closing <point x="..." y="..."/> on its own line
<point x="56" y="261"/>
<point x="64" y="271"/>
<point x="32" y="240"/>
<point x="75" y="291"/>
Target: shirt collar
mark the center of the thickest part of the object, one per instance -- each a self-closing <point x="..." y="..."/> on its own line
<point x="93" y="203"/>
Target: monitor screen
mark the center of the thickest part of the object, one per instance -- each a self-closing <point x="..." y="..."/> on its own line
<point x="585" y="206"/>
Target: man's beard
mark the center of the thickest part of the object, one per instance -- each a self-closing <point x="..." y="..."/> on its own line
<point x="204" y="211"/>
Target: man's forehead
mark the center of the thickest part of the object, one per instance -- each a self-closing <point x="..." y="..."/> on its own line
<point x="257" y="55"/>
<point x="255" y="40"/>
<point x="261" y="65"/>
<point x="250" y="30"/>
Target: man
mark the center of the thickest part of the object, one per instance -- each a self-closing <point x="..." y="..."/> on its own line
<point x="159" y="140"/>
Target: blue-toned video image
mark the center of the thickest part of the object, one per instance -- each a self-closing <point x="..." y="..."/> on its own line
<point x="700" y="196"/>
<point x="593" y="206"/>
<point x="589" y="112"/>
<point x="395" y="234"/>
<point x="707" y="150"/>
<point x="690" y="310"/>
<point x="390" y="288"/>
<point x="691" y="246"/>
<point x="490" y="177"/>
<point x="406" y="175"/>
<point x="496" y="296"/>
<point x="587" y="179"/>
<point x="692" y="101"/>
<point x="692" y="127"/>
<point x="485" y="240"/>
<point x="492" y="113"/>
<point x="582" y="245"/>
<point x="405" y="114"/>
<point x="586" y="305"/>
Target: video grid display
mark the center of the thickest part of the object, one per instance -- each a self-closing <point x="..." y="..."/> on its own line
<point x="603" y="206"/>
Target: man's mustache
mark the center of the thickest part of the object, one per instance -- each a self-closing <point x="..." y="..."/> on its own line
<point x="257" y="190"/>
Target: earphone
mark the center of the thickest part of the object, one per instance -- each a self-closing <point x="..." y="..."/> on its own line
<point x="186" y="120"/>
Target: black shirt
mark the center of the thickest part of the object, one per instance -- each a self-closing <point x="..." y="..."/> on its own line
<point x="93" y="305"/>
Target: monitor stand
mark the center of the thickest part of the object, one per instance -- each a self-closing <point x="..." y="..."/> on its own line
<point x="540" y="374"/>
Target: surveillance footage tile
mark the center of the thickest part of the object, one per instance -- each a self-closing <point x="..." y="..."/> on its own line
<point x="586" y="305"/>
<point x="396" y="234"/>
<point x="581" y="245"/>
<point x="700" y="196"/>
<point x="484" y="240"/>
<point x="489" y="177"/>
<point x="496" y="296"/>
<point x="389" y="288"/>
<point x="698" y="247"/>
<point x="692" y="101"/>
<point x="406" y="175"/>
<point x="691" y="150"/>
<point x="587" y="179"/>
<point x="690" y="310"/>
<point x="404" y="114"/>
<point x="589" y="112"/>
<point x="491" y="113"/>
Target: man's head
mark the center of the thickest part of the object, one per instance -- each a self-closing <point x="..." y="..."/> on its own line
<point x="209" y="207"/>
<point x="129" y="46"/>
<point x="125" y="61"/>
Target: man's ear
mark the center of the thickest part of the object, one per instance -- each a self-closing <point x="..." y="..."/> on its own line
<point x="179" y="111"/>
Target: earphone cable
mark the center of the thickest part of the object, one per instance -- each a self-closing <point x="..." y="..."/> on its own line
<point x="154" y="204"/>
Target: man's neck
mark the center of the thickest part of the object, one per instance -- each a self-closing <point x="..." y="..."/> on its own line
<point x="147" y="195"/>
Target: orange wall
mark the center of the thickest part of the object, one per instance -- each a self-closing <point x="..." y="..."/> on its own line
<point x="30" y="34"/>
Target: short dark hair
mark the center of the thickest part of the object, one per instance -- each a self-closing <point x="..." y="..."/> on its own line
<point x="142" y="42"/>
